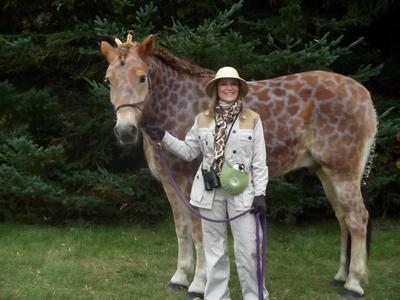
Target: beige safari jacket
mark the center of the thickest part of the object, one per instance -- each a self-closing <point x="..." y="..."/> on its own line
<point x="245" y="145"/>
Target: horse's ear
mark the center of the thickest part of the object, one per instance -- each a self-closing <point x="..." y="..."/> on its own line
<point x="109" y="52"/>
<point x="146" y="48"/>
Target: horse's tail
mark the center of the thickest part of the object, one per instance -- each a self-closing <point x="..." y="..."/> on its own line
<point x="369" y="224"/>
<point x="364" y="192"/>
<point x="368" y="165"/>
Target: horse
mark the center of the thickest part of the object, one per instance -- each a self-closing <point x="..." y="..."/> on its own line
<point x="316" y="119"/>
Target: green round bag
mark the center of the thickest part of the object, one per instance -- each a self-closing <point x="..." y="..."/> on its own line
<point x="234" y="179"/>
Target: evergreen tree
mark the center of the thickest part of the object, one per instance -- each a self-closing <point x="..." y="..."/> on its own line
<point x="58" y="162"/>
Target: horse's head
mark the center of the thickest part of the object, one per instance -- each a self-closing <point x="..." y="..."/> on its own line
<point x="127" y="76"/>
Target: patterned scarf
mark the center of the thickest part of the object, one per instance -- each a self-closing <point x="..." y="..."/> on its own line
<point x="223" y="118"/>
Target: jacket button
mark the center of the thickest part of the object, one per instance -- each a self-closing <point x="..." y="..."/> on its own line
<point x="250" y="137"/>
<point x="234" y="151"/>
<point x="233" y="131"/>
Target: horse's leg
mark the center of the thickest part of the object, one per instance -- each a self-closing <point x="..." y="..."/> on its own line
<point x="341" y="274"/>
<point x="355" y="220"/>
<point x="343" y="271"/>
<point x="183" y="228"/>
<point x="188" y="231"/>
<point x="198" y="284"/>
<point x="196" y="288"/>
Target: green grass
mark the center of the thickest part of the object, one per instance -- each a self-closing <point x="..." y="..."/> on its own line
<point x="136" y="261"/>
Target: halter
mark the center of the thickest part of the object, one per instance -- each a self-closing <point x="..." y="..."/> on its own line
<point x="132" y="105"/>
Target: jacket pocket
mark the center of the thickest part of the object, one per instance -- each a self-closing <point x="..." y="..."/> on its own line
<point x="199" y="197"/>
<point x="205" y="140"/>
<point x="244" y="200"/>
<point x="246" y="143"/>
<point x="197" y="191"/>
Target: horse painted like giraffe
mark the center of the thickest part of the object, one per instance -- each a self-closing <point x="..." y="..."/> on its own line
<point x="313" y="119"/>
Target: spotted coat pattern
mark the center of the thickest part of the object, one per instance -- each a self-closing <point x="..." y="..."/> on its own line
<point x="315" y="119"/>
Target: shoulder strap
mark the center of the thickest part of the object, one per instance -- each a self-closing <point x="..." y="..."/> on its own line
<point x="230" y="129"/>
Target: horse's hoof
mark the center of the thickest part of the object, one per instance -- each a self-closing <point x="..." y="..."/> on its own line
<point x="194" y="296"/>
<point x="173" y="287"/>
<point x="349" y="293"/>
<point x="337" y="283"/>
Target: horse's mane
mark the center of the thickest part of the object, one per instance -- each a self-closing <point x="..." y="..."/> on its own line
<point x="181" y="64"/>
<point x="168" y="58"/>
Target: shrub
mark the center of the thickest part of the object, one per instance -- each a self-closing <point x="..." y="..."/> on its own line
<point x="36" y="185"/>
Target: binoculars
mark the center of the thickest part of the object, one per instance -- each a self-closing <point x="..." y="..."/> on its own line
<point x="211" y="179"/>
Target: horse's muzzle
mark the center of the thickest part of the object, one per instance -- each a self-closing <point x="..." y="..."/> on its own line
<point x="126" y="134"/>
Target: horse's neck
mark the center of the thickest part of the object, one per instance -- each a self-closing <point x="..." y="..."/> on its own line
<point x="175" y="97"/>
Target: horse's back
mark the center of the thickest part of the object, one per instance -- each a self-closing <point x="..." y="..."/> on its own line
<point x="314" y="117"/>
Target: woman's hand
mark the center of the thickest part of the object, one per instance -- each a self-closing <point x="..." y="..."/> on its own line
<point x="259" y="205"/>
<point x="156" y="134"/>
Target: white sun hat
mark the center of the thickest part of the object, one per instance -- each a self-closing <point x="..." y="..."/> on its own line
<point x="227" y="72"/>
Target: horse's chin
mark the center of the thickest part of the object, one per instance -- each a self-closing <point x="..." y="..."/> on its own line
<point x="128" y="140"/>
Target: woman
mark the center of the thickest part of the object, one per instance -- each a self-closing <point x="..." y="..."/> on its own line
<point x="225" y="132"/>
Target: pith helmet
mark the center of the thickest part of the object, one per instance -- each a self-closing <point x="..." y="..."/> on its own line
<point x="227" y="72"/>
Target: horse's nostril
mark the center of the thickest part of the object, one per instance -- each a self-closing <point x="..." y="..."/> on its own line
<point x="126" y="134"/>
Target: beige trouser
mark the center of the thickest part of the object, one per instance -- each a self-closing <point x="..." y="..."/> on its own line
<point x="215" y="240"/>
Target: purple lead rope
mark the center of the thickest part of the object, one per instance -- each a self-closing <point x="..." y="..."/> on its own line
<point x="260" y="262"/>
<point x="260" y="259"/>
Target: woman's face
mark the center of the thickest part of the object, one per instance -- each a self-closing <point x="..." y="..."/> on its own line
<point x="228" y="89"/>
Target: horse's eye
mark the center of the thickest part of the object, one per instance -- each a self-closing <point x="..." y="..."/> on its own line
<point x="142" y="78"/>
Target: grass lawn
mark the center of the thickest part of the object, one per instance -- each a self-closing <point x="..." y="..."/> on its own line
<point x="136" y="261"/>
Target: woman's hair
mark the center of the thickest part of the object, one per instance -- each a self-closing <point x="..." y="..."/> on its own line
<point x="214" y="99"/>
